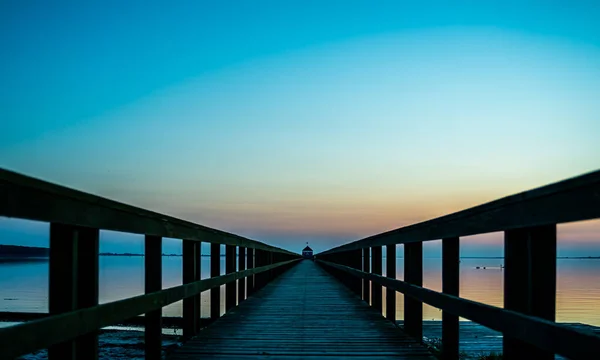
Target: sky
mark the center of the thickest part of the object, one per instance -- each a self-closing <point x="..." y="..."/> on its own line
<point x="301" y="121"/>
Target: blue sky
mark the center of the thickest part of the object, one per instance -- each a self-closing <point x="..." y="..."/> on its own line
<point x="320" y="121"/>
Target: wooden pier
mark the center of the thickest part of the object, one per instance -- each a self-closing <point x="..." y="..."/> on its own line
<point x="280" y="306"/>
<point x="303" y="314"/>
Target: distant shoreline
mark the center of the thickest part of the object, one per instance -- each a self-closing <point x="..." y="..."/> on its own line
<point x="31" y="252"/>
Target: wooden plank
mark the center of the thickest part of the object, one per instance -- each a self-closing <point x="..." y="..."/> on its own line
<point x="73" y="283"/>
<point x="413" y="274"/>
<point x="302" y="314"/>
<point x="241" y="282"/>
<point x="574" y="199"/>
<point x="450" y="286"/>
<point x="544" y="334"/>
<point x="390" y="294"/>
<point x="376" y="268"/>
<point x="230" y="288"/>
<point x="215" y="271"/>
<point x="39" y="334"/>
<point x="153" y="282"/>
<point x="25" y="197"/>
<point x="190" y="273"/>
<point x="530" y="281"/>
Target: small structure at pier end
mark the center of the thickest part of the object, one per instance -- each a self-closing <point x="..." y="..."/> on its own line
<point x="307" y="252"/>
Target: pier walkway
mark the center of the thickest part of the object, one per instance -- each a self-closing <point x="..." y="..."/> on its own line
<point x="303" y="314"/>
<point x="278" y="305"/>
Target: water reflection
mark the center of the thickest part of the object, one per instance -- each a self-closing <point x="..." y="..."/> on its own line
<point x="24" y="285"/>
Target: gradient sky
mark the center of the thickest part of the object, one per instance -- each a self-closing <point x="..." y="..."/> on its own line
<point x="294" y="121"/>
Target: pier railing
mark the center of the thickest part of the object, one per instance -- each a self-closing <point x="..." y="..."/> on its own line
<point x="527" y="321"/>
<point x="76" y="218"/>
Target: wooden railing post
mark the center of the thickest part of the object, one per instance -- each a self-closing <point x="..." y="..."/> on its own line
<point x="198" y="256"/>
<point x="153" y="282"/>
<point x="366" y="284"/>
<point x="73" y="283"/>
<point x="230" y="288"/>
<point x="450" y="286"/>
<point x="259" y="278"/>
<point x="241" y="267"/>
<point x="356" y="262"/>
<point x="529" y="282"/>
<point x="413" y="274"/>
<point x="390" y="272"/>
<point x="191" y="305"/>
<point x="376" y="268"/>
<point x="250" y="264"/>
<point x="270" y="262"/>
<point x="342" y="259"/>
<point x="215" y="270"/>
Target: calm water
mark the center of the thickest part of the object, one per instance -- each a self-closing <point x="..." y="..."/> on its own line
<point x="24" y="285"/>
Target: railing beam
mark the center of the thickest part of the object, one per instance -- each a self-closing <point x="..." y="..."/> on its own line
<point x="529" y="282"/>
<point x="153" y="282"/>
<point x="450" y="286"/>
<point x="73" y="283"/>
<point x="413" y="274"/>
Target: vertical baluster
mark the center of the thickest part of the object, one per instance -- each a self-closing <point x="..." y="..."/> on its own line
<point x="376" y="268"/>
<point x="230" y="287"/>
<point x="259" y="278"/>
<point x="529" y="281"/>
<point x="450" y="286"/>
<point x="366" y="284"/>
<point x="356" y="263"/>
<point x="270" y="262"/>
<point x="215" y="270"/>
<point x="191" y="309"/>
<point x="153" y="282"/>
<point x="198" y="297"/>
<point x="73" y="283"/>
<point x="390" y="271"/>
<point x="342" y="259"/>
<point x="250" y="264"/>
<point x="413" y="274"/>
<point x="242" y="281"/>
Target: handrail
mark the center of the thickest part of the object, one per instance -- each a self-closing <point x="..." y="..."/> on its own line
<point x="528" y="220"/>
<point x="574" y="199"/>
<point x="76" y="218"/>
<point x="568" y="342"/>
<point x="29" y="198"/>
<point x="38" y="334"/>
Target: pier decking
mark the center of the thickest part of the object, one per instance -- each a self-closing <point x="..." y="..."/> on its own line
<point x="303" y="314"/>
